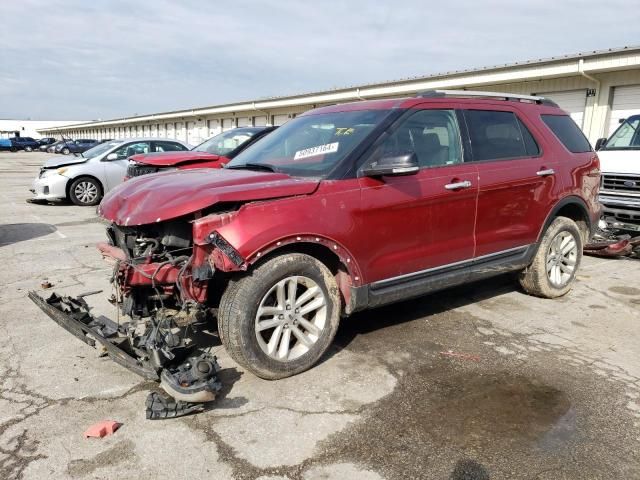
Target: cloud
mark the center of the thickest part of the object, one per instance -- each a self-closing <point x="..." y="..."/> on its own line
<point x="84" y="60"/>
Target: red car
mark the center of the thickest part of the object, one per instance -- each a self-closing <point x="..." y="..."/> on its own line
<point x="213" y="153"/>
<point x="341" y="209"/>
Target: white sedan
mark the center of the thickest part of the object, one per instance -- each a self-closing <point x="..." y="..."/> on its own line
<point x="86" y="177"/>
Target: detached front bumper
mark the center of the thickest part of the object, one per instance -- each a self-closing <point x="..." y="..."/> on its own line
<point x="51" y="187"/>
<point x="73" y="315"/>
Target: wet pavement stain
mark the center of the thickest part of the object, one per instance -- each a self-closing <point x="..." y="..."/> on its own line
<point x="499" y="417"/>
<point x="625" y="290"/>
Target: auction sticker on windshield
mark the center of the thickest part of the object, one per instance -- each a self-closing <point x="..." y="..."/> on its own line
<point x="319" y="150"/>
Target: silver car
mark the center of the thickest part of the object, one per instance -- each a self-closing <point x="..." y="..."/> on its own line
<point x="86" y="177"/>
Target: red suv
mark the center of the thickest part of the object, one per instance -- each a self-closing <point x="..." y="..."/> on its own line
<point x="345" y="208"/>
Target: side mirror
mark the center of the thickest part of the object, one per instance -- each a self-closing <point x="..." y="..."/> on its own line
<point x="601" y="142"/>
<point x="112" y="156"/>
<point x="393" y="165"/>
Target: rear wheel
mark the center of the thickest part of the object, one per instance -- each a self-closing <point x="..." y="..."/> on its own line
<point x="85" y="191"/>
<point x="281" y="318"/>
<point x="66" y="151"/>
<point x="553" y="270"/>
<point x="28" y="149"/>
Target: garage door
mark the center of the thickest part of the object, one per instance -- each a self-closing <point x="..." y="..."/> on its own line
<point x="228" y="124"/>
<point x="181" y="134"/>
<point x="193" y="136"/>
<point x="260" y="121"/>
<point x="280" y="119"/>
<point x="626" y="102"/>
<point x="572" y="102"/>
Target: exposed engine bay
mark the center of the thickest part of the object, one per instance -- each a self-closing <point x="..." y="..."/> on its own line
<point x="164" y="328"/>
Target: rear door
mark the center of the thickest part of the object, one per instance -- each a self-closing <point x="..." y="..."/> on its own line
<point x="518" y="183"/>
<point x="423" y="221"/>
<point x="115" y="170"/>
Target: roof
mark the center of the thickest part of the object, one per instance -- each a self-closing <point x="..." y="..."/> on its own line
<point x="246" y="105"/>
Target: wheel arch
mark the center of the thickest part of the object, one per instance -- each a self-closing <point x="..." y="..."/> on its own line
<point x="332" y="254"/>
<point x="572" y="207"/>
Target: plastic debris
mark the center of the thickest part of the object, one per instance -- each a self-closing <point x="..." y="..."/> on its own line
<point x="46" y="284"/>
<point x="620" y="246"/>
<point x="160" y="407"/>
<point x="102" y="429"/>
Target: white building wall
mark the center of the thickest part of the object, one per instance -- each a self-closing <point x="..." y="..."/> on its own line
<point x="556" y="77"/>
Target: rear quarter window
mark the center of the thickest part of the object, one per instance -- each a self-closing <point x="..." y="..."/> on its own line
<point x="569" y="134"/>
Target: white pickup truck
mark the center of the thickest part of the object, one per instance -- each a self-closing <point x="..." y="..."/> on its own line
<point x="620" y="165"/>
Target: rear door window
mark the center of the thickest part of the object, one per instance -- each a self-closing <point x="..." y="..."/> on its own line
<point x="168" y="147"/>
<point x="566" y="130"/>
<point x="497" y="135"/>
<point x="132" y="149"/>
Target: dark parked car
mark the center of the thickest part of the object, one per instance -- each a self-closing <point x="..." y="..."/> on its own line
<point x="76" y="146"/>
<point x="45" y="143"/>
<point x="341" y="209"/>
<point x="27" y="144"/>
<point x="52" y="148"/>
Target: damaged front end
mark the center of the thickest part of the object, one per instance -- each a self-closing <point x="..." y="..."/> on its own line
<point x="166" y="308"/>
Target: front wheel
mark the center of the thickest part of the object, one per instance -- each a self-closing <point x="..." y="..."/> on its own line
<point x="281" y="318"/>
<point x="553" y="270"/>
<point x="85" y="191"/>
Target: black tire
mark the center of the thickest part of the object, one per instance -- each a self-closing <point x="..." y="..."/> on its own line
<point x="239" y="307"/>
<point x="535" y="279"/>
<point x="87" y="184"/>
<point x="66" y="151"/>
<point x="13" y="149"/>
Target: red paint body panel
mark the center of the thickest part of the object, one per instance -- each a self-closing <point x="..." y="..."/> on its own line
<point x="189" y="159"/>
<point x="413" y="223"/>
<point x="152" y="198"/>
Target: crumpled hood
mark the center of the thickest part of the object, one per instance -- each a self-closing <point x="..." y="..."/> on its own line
<point x="169" y="159"/>
<point x="162" y="196"/>
<point x="61" y="161"/>
<point x="619" y="161"/>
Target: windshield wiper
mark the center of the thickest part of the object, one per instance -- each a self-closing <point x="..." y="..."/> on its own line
<point x="255" y="166"/>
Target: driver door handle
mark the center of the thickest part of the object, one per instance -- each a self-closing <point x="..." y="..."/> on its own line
<point x="546" y="172"/>
<point x="458" y="185"/>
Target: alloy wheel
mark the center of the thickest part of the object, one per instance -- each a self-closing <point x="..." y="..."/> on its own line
<point x="291" y="318"/>
<point x="86" y="192"/>
<point x="561" y="259"/>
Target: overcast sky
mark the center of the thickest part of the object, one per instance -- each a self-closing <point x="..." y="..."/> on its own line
<point x="82" y="60"/>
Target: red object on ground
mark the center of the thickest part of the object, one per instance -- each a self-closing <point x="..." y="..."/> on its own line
<point x="102" y="429"/>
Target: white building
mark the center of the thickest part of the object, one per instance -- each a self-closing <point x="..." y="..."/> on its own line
<point x="597" y="88"/>
<point x="30" y="128"/>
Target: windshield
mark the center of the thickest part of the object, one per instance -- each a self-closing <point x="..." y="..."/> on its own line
<point x="227" y="142"/>
<point x="312" y="145"/>
<point x="100" y="149"/>
<point x="626" y="137"/>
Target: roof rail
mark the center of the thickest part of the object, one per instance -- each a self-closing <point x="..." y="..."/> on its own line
<point x="474" y="93"/>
